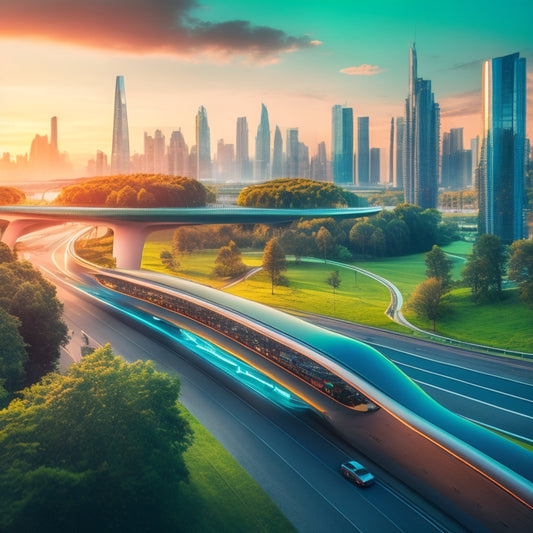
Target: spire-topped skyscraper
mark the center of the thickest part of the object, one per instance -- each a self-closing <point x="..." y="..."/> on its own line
<point x="203" y="145"/>
<point x="120" y="152"/>
<point x="262" y="147"/>
<point x="422" y="132"/>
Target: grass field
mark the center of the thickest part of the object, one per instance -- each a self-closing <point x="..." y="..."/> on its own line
<point x="507" y="324"/>
<point x="221" y="496"/>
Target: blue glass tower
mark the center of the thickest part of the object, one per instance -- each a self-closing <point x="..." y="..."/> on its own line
<point x="262" y="147"/>
<point x="363" y="151"/>
<point x="120" y="151"/>
<point x="342" y="144"/>
<point x="203" y="146"/>
<point x="502" y="161"/>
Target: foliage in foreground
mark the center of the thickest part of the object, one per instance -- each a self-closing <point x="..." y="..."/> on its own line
<point x="11" y="196"/>
<point x="99" y="449"/>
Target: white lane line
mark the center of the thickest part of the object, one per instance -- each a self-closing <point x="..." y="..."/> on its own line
<point x="464" y="382"/>
<point x="474" y="399"/>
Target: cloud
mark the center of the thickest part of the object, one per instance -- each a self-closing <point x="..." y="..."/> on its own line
<point x="362" y="70"/>
<point x="461" y="104"/>
<point x="143" y="27"/>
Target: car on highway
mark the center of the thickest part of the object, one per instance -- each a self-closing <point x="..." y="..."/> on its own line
<point x="357" y="473"/>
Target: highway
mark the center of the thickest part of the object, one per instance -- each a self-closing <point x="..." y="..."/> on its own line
<point x="292" y="456"/>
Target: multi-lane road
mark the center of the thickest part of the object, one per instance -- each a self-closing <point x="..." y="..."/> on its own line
<point x="290" y="454"/>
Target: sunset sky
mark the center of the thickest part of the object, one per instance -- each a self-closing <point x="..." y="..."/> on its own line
<point x="300" y="57"/>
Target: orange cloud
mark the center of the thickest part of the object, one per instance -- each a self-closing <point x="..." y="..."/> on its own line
<point x="362" y="70"/>
<point x="142" y="26"/>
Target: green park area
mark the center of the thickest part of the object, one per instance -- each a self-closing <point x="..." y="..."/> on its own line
<point x="505" y="324"/>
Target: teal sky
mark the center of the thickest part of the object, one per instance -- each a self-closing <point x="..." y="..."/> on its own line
<point x="61" y="65"/>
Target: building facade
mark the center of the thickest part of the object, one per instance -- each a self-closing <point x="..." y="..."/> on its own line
<point x="203" y="146"/>
<point x="342" y="145"/>
<point x="363" y="151"/>
<point x="120" y="151"/>
<point x="421" y="147"/>
<point x="262" y="147"/>
<point x="503" y="144"/>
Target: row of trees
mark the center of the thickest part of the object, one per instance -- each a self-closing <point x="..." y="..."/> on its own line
<point x="483" y="273"/>
<point x="297" y="193"/>
<point x="139" y="190"/>
<point x="32" y="330"/>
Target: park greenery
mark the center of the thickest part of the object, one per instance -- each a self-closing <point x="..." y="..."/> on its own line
<point x="36" y="316"/>
<point x="135" y="190"/>
<point x="297" y="193"/>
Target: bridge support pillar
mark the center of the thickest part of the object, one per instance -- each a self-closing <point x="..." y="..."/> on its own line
<point x="128" y="244"/>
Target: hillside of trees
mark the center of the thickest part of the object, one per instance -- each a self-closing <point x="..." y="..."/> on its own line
<point x="135" y="190"/>
<point x="300" y="193"/>
<point x="11" y="196"/>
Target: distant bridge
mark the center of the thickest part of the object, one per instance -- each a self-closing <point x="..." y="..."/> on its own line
<point x="131" y="226"/>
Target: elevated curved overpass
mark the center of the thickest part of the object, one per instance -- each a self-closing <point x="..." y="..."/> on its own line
<point x="131" y="226"/>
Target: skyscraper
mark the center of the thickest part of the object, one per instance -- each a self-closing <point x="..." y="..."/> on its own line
<point x="262" y="147"/>
<point x="203" y="146"/>
<point x="342" y="144"/>
<point x="277" y="155"/>
<point x="319" y="164"/>
<point x="120" y="151"/>
<point x="292" y="153"/>
<point x="363" y="151"/>
<point x="375" y="165"/>
<point x="243" y="165"/>
<point x="502" y="161"/>
<point x="422" y="132"/>
<point x="391" y="151"/>
<point x="178" y="155"/>
<point x="400" y="151"/>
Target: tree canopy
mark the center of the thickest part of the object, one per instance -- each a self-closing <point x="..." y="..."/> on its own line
<point x="439" y="266"/>
<point x="426" y="300"/>
<point x="98" y="449"/>
<point x="11" y="196"/>
<point x="521" y="268"/>
<point x="25" y="294"/>
<point x="135" y="190"/>
<point x="274" y="261"/>
<point x="298" y="193"/>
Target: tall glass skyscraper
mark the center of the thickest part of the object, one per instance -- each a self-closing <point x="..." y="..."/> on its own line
<point x="120" y="152"/>
<point x="342" y="144"/>
<point x="292" y="153"/>
<point x="243" y="165"/>
<point x="203" y="146"/>
<point x="262" y="147"/>
<point x="422" y="133"/>
<point x="363" y="151"/>
<point x="502" y="161"/>
<point x="277" y="155"/>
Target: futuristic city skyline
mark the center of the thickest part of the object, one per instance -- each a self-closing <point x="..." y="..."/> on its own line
<point x="298" y="58"/>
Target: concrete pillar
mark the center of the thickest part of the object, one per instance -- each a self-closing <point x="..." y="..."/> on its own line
<point x="128" y="244"/>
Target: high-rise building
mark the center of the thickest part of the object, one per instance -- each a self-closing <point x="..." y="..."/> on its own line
<point x="502" y="162"/>
<point x="342" y="144"/>
<point x="262" y="147"/>
<point x="148" y="165"/>
<point x="225" y="160"/>
<point x="178" y="155"/>
<point x="292" y="153"/>
<point x="391" y="152"/>
<point x="120" y="151"/>
<point x="203" y="146"/>
<point x="319" y="164"/>
<point x="303" y="161"/>
<point x="375" y="166"/>
<point x="452" y="160"/>
<point x="160" y="153"/>
<point x="243" y="165"/>
<point x="277" y="155"/>
<point x="400" y="151"/>
<point x="363" y="151"/>
<point x="54" y="151"/>
<point x="474" y="147"/>
<point x="422" y="133"/>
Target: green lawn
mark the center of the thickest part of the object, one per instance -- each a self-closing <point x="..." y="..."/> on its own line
<point x="362" y="300"/>
<point x="221" y="496"/>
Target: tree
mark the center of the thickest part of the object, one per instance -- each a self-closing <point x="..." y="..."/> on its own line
<point x="521" y="268"/>
<point x="6" y="255"/>
<point x="324" y="242"/>
<point x="439" y="266"/>
<point x="13" y="354"/>
<point x="110" y="449"/>
<point x="360" y="237"/>
<point x="485" y="267"/>
<point x="169" y="260"/>
<point x="426" y="300"/>
<point x="274" y="261"/>
<point x="334" y="281"/>
<point x="229" y="261"/>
